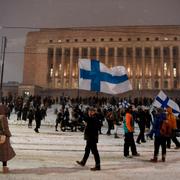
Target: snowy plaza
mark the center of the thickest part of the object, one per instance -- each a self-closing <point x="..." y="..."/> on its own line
<point x="53" y="155"/>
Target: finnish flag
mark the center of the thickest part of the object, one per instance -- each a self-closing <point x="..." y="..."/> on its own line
<point x="124" y="104"/>
<point x="95" y="76"/>
<point x="163" y="101"/>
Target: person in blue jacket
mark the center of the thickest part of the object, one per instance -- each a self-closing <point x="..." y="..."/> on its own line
<point x="159" y="140"/>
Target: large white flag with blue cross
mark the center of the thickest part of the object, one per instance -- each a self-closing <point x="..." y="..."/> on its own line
<point x="163" y="101"/>
<point x="95" y="76"/>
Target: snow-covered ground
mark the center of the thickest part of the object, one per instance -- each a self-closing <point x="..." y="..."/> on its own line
<point x="51" y="155"/>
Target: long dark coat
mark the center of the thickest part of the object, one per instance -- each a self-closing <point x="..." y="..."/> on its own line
<point x="6" y="150"/>
<point x="91" y="130"/>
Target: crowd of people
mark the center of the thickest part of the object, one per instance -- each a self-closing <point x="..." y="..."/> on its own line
<point x="89" y="115"/>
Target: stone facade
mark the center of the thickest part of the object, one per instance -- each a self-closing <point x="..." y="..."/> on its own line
<point x="151" y="55"/>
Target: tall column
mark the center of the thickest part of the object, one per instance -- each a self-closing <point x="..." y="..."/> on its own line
<point x="152" y="67"/>
<point x="106" y="56"/>
<point x="115" y="56"/>
<point x="54" y="69"/>
<point x="71" y="68"/>
<point x="171" y="68"/>
<point x="62" y="68"/>
<point x="143" y="68"/>
<point x="162" y="68"/>
<point x="133" y="67"/>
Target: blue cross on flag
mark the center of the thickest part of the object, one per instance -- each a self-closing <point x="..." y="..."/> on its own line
<point x="163" y="101"/>
<point x="124" y="104"/>
<point x="95" y="76"/>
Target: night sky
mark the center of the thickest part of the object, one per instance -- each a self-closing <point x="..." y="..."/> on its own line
<point x="74" y="13"/>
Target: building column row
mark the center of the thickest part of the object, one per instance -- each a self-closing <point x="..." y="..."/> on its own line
<point x="124" y="63"/>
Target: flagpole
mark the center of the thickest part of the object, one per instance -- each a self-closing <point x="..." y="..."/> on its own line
<point x="78" y="85"/>
<point x="78" y="90"/>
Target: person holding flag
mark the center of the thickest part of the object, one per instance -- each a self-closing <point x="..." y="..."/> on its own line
<point x="172" y="120"/>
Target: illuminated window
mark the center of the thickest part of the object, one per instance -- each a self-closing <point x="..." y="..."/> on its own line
<point x="60" y="67"/>
<point x="165" y="68"/>
<point x="51" y="72"/>
<point x="174" y="72"/>
<point x="56" y="74"/>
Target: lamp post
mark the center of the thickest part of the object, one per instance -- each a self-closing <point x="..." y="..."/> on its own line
<point x="3" y="48"/>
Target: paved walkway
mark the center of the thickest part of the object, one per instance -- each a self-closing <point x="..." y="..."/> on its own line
<point x="51" y="155"/>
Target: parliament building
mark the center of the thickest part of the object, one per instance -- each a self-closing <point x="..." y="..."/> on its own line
<point x="151" y="55"/>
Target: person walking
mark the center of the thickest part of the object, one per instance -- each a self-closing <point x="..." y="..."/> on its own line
<point x="6" y="150"/>
<point x="59" y="119"/>
<point x="172" y="120"/>
<point x="30" y="116"/>
<point x="159" y="140"/>
<point x="141" y="120"/>
<point x="91" y="137"/>
<point x="129" y="137"/>
<point x="38" y="118"/>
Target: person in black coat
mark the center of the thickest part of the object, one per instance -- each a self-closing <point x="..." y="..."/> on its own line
<point x="38" y="118"/>
<point x="91" y="137"/>
<point x="30" y="116"/>
<point x="141" y="120"/>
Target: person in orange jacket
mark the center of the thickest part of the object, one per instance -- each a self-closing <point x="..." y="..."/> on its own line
<point x="128" y="133"/>
<point x="172" y="120"/>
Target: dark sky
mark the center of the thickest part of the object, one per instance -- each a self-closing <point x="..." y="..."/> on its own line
<point x="70" y="13"/>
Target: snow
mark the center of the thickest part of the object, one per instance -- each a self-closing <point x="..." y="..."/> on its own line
<point x="52" y="155"/>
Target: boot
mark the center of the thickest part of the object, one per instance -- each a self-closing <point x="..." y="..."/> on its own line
<point x="96" y="168"/>
<point x="80" y="163"/>
<point x="5" y="169"/>
<point x="163" y="158"/>
<point x="154" y="159"/>
<point x="116" y="136"/>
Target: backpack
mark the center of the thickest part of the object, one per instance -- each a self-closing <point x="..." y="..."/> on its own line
<point x="165" y="129"/>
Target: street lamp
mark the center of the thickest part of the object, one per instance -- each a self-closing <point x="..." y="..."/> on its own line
<point x="3" y="48"/>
